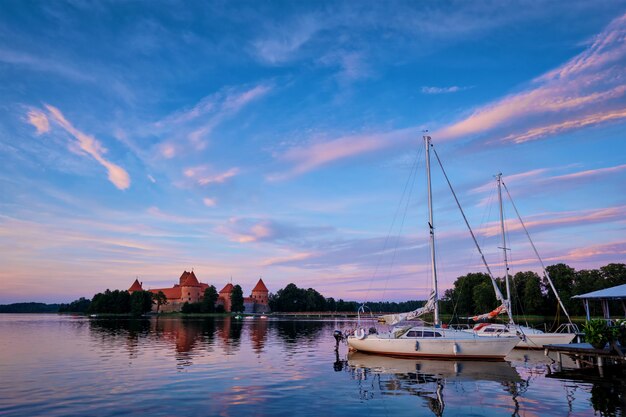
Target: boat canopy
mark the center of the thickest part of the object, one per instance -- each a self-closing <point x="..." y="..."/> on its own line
<point x="604" y="296"/>
<point x="392" y="319"/>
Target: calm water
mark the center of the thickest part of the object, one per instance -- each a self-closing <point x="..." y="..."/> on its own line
<point x="74" y="366"/>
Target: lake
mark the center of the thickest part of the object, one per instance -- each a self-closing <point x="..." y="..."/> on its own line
<point x="54" y="365"/>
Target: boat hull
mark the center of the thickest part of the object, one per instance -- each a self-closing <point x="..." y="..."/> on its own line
<point x="474" y="348"/>
<point x="529" y="338"/>
<point x="538" y="341"/>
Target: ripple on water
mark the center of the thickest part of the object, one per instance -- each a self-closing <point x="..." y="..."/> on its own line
<point x="74" y="366"/>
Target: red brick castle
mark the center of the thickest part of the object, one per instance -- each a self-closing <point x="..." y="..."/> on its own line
<point x="190" y="290"/>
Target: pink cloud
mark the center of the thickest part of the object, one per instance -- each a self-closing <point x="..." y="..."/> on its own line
<point x="588" y="173"/>
<point x="588" y="89"/>
<point x="595" y="251"/>
<point x="555" y="128"/>
<point x="307" y="158"/>
<point x="92" y="147"/>
<point x="39" y="120"/>
<point x="510" y="179"/>
<point x="609" y="214"/>
<point x="200" y="175"/>
<point x="209" y="202"/>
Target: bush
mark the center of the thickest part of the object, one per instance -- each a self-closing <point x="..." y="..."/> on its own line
<point x="597" y="333"/>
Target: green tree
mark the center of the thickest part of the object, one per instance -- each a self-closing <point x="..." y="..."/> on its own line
<point x="77" y="306"/>
<point x="140" y="302"/>
<point x="614" y="274"/>
<point x="484" y="298"/>
<point x="564" y="278"/>
<point x="236" y="299"/>
<point x="209" y="300"/>
<point x="159" y="299"/>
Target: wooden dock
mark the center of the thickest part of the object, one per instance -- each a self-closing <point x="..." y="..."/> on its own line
<point x="585" y="355"/>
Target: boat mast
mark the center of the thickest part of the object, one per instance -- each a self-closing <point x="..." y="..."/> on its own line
<point x="543" y="267"/>
<point x="504" y="249"/>
<point x="432" y="229"/>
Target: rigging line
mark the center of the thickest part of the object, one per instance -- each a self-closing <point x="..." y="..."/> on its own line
<point x="379" y="260"/>
<point x="545" y="273"/>
<point x="493" y="282"/>
<point x="518" y="297"/>
<point x="406" y="208"/>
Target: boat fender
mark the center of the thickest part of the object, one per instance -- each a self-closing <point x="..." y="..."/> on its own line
<point x="359" y="333"/>
<point x="417" y="345"/>
<point x="455" y="348"/>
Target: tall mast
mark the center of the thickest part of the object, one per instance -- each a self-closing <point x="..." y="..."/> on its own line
<point x="504" y="249"/>
<point x="432" y="230"/>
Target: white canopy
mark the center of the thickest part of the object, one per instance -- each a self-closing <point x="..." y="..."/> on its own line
<point x="617" y="292"/>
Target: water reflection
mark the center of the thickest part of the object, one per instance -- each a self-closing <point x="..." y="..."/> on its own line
<point x="230" y="367"/>
<point x="427" y="379"/>
<point x="608" y="391"/>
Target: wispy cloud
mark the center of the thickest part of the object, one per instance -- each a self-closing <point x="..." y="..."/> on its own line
<point x="39" y="120"/>
<point x="283" y="42"/>
<point x="88" y="145"/>
<point x="309" y="157"/>
<point x="597" y="251"/>
<point x="563" y="219"/>
<point x="590" y="173"/>
<point x="443" y="90"/>
<point x="209" y="202"/>
<point x="246" y="230"/>
<point x="199" y="121"/>
<point x="202" y="176"/>
<point x="41" y="64"/>
<point x="587" y="90"/>
<point x="511" y="179"/>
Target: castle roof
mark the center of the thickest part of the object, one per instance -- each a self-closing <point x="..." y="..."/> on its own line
<point x="136" y="286"/>
<point x="183" y="277"/>
<point x="227" y="289"/>
<point x="170" y="293"/>
<point x="260" y="286"/>
<point x="190" y="280"/>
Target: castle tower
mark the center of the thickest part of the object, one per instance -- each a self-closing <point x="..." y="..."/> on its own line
<point x="260" y="293"/>
<point x="135" y="287"/>
<point x="224" y="296"/>
<point x="190" y="288"/>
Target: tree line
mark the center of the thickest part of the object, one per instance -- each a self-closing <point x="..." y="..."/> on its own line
<point x="531" y="294"/>
<point x="471" y="294"/>
<point x="294" y="299"/>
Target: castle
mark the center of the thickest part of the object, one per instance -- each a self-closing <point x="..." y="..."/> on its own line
<point x="190" y="290"/>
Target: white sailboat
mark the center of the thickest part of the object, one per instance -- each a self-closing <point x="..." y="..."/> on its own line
<point x="530" y="338"/>
<point x="431" y="341"/>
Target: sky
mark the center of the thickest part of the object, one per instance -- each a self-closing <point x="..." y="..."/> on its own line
<point x="283" y="140"/>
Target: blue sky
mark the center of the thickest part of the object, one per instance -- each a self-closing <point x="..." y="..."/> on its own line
<point x="275" y="139"/>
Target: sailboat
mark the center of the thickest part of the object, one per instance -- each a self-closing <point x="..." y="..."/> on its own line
<point x="530" y="338"/>
<point x="430" y="341"/>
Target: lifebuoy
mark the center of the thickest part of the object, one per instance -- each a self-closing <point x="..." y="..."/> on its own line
<point x="359" y="333"/>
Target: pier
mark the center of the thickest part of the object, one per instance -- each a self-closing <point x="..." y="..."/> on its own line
<point x="585" y="355"/>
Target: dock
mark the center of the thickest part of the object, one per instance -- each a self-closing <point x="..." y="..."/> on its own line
<point x="585" y="355"/>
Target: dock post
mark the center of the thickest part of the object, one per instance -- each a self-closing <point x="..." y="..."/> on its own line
<point x="600" y="367"/>
<point x="560" y="359"/>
